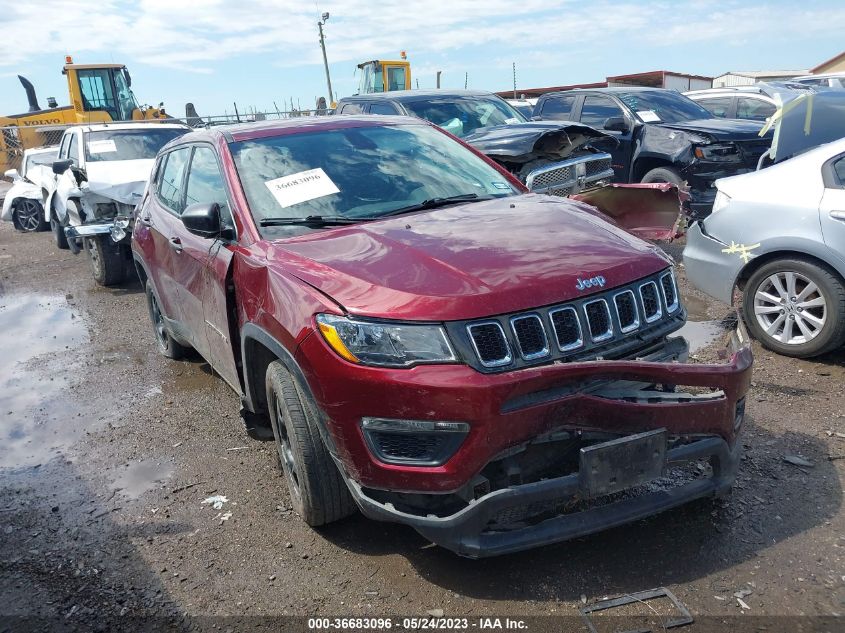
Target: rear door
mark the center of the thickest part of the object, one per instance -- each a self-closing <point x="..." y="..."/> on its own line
<point x="159" y="222"/>
<point x="205" y="266"/>
<point x="596" y="109"/>
<point x="832" y="207"/>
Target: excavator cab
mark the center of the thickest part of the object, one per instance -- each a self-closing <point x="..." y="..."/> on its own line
<point x="384" y="76"/>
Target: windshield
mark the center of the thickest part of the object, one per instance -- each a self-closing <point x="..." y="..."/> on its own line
<point x="125" y="98"/>
<point x="111" y="145"/>
<point x="464" y="115"/>
<point x="663" y="106"/>
<point x="359" y="172"/>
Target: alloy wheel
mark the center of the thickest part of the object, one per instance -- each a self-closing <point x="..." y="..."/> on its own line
<point x="158" y="322"/>
<point x="285" y="453"/>
<point x="790" y="307"/>
<point x="29" y="215"/>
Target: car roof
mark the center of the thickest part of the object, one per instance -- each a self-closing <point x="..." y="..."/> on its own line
<point x="99" y="127"/>
<point x="237" y="132"/>
<point x="42" y="150"/>
<point x="610" y="90"/>
<point x="820" y="76"/>
<point x="417" y="95"/>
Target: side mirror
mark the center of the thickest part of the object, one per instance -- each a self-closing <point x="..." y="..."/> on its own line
<point x="61" y="166"/>
<point x="11" y="174"/>
<point x="202" y="219"/>
<point x="616" y="124"/>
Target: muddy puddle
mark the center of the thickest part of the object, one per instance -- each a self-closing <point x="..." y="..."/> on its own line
<point x="700" y="334"/>
<point x="40" y="341"/>
<point x="134" y="479"/>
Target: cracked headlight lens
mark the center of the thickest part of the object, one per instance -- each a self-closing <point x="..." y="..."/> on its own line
<point x="385" y="343"/>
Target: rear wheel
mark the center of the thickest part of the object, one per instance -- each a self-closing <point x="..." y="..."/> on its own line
<point x="795" y="307"/>
<point x="317" y="490"/>
<point x="107" y="262"/>
<point x="166" y="345"/>
<point x="28" y="216"/>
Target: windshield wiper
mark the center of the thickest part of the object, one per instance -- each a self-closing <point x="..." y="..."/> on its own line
<point x="312" y="220"/>
<point x="433" y="203"/>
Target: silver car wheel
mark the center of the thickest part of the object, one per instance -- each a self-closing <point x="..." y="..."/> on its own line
<point x="790" y="308"/>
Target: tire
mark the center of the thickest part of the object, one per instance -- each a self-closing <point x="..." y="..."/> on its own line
<point x="802" y="323"/>
<point x="166" y="345"/>
<point x="28" y="216"/>
<point x="108" y="264"/>
<point x="664" y="174"/>
<point x="58" y="230"/>
<point x="317" y="490"/>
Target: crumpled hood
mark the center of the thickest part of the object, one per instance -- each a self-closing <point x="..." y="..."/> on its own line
<point x="720" y="129"/>
<point x="121" y="180"/>
<point x="524" y="142"/>
<point x="467" y="261"/>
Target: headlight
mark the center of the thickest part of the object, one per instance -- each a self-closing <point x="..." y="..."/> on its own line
<point x="720" y="201"/>
<point x="718" y="152"/>
<point x="385" y="344"/>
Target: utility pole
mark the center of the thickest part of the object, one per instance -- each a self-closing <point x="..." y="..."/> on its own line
<point x="320" y="24"/>
<point x="514" y="80"/>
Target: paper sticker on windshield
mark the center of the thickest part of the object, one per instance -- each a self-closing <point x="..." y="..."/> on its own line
<point x="501" y="185"/>
<point x="511" y="121"/>
<point x="102" y="146"/>
<point x="649" y="116"/>
<point x="301" y="187"/>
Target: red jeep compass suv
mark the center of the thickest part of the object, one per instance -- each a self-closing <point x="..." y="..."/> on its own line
<point x="424" y="339"/>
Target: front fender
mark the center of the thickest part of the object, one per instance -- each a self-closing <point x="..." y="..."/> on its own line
<point x="66" y="188"/>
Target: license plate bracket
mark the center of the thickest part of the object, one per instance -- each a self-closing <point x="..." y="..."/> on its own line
<point x="622" y="463"/>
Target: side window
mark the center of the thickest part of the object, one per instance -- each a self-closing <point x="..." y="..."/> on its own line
<point x="598" y="109"/>
<point x="717" y="106"/>
<point x="558" y="107"/>
<point x="205" y="183"/>
<point x="395" y="78"/>
<point x="351" y="108"/>
<point x="839" y="170"/>
<point x="170" y="185"/>
<point x="382" y="108"/>
<point x="73" y="149"/>
<point x="754" y="109"/>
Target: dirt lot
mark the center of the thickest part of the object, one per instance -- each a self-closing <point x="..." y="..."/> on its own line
<point x="107" y="451"/>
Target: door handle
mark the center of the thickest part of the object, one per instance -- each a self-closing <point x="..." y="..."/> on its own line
<point x="838" y="215"/>
<point x="176" y="244"/>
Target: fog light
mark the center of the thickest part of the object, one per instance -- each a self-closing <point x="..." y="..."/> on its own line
<point x="413" y="442"/>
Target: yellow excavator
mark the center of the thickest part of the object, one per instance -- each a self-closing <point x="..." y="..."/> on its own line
<point x="98" y="93"/>
<point x="380" y="75"/>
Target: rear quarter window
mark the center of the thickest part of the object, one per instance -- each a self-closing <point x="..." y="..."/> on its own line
<point x="558" y="107"/>
<point x="350" y="108"/>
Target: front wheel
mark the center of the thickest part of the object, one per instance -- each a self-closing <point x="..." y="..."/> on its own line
<point x="108" y="264"/>
<point x="664" y="174"/>
<point x="28" y="216"/>
<point x="317" y="490"/>
<point x="58" y="230"/>
<point x="795" y="307"/>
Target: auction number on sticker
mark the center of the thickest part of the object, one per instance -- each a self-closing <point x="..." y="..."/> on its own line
<point x="349" y="623"/>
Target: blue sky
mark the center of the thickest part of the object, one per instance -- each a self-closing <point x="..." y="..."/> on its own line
<point x="215" y="52"/>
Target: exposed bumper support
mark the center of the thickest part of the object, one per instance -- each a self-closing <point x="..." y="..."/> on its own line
<point x="464" y="532"/>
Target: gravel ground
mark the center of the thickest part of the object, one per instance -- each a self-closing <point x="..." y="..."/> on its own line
<point x="108" y="451"/>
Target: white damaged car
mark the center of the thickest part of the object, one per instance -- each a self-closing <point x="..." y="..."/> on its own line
<point x="24" y="202"/>
<point x="100" y="176"/>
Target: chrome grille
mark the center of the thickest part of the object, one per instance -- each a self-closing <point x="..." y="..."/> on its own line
<point x="603" y="324"/>
<point x="598" y="320"/>
<point x="670" y="292"/>
<point x="626" y="311"/>
<point x="570" y="176"/>
<point x="530" y="336"/>
<point x="651" y="302"/>
<point x="567" y="328"/>
<point x="490" y="343"/>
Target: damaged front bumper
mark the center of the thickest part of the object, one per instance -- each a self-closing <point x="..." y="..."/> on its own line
<point x="617" y="440"/>
<point x="119" y="229"/>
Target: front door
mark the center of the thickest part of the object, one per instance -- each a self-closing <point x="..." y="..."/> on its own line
<point x="205" y="267"/>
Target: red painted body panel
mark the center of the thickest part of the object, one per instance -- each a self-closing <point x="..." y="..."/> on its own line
<point x="466" y="262"/>
<point x="457" y="393"/>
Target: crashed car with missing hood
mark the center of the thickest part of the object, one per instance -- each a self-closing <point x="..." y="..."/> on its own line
<point x="560" y="158"/>
<point x="100" y="174"/>
<point x="23" y="204"/>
